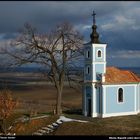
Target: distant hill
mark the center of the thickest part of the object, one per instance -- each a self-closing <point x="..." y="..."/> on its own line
<point x="78" y="69"/>
<point x="133" y="69"/>
<point x="31" y="69"/>
<point x="21" y="69"/>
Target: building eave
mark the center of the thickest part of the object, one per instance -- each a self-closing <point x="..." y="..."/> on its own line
<point x="121" y="83"/>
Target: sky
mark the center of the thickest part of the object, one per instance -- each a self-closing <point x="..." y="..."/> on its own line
<point x="118" y="23"/>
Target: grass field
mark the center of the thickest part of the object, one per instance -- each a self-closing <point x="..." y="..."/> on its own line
<point x="33" y="92"/>
<point x="127" y="125"/>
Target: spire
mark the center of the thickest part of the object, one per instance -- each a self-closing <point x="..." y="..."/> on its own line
<point x="94" y="35"/>
<point x="93" y="18"/>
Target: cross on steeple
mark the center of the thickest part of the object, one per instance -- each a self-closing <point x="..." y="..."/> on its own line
<point x="93" y="17"/>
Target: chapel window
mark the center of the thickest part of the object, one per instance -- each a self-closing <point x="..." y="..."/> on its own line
<point x="88" y="54"/>
<point x="120" y="95"/>
<point x="88" y="70"/>
<point x="99" y="53"/>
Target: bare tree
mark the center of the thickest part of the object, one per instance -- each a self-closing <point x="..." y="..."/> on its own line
<point x="7" y="106"/>
<point x="56" y="50"/>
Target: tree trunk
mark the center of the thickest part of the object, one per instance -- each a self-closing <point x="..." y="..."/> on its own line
<point x="5" y="130"/>
<point x="4" y="126"/>
<point x="59" y="100"/>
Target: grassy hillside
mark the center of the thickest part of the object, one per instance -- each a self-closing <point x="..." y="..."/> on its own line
<point x="114" y="126"/>
<point x="126" y="125"/>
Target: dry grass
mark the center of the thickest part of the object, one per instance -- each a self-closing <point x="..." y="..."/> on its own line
<point x="27" y="128"/>
<point x="128" y="125"/>
<point x="43" y="99"/>
<point x="10" y="120"/>
<point x="33" y="92"/>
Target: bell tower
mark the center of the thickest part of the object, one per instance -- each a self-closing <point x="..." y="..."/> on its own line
<point x="94" y="70"/>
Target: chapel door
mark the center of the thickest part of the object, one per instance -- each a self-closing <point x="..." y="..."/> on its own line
<point x="100" y="101"/>
<point x="89" y="107"/>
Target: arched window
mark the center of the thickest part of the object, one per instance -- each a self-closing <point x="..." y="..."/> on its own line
<point x="120" y="95"/>
<point x="88" y="70"/>
<point x="99" y="53"/>
<point x="88" y="54"/>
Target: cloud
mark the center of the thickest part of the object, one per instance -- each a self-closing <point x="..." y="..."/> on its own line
<point x="122" y="29"/>
<point x="5" y="43"/>
<point x="83" y="27"/>
<point x="108" y="26"/>
<point x="44" y="15"/>
<point x="124" y="21"/>
<point x="123" y="58"/>
<point x="2" y="36"/>
<point x="125" y="54"/>
<point x="6" y="36"/>
<point x="118" y="21"/>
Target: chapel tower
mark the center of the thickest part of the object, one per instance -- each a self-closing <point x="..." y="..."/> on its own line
<point x="94" y="71"/>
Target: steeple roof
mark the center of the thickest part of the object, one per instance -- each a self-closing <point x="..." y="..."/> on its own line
<point x="94" y="35"/>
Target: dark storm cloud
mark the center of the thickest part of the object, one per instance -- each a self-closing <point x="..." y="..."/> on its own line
<point x="46" y="14"/>
<point x="122" y="31"/>
<point x="118" y="22"/>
